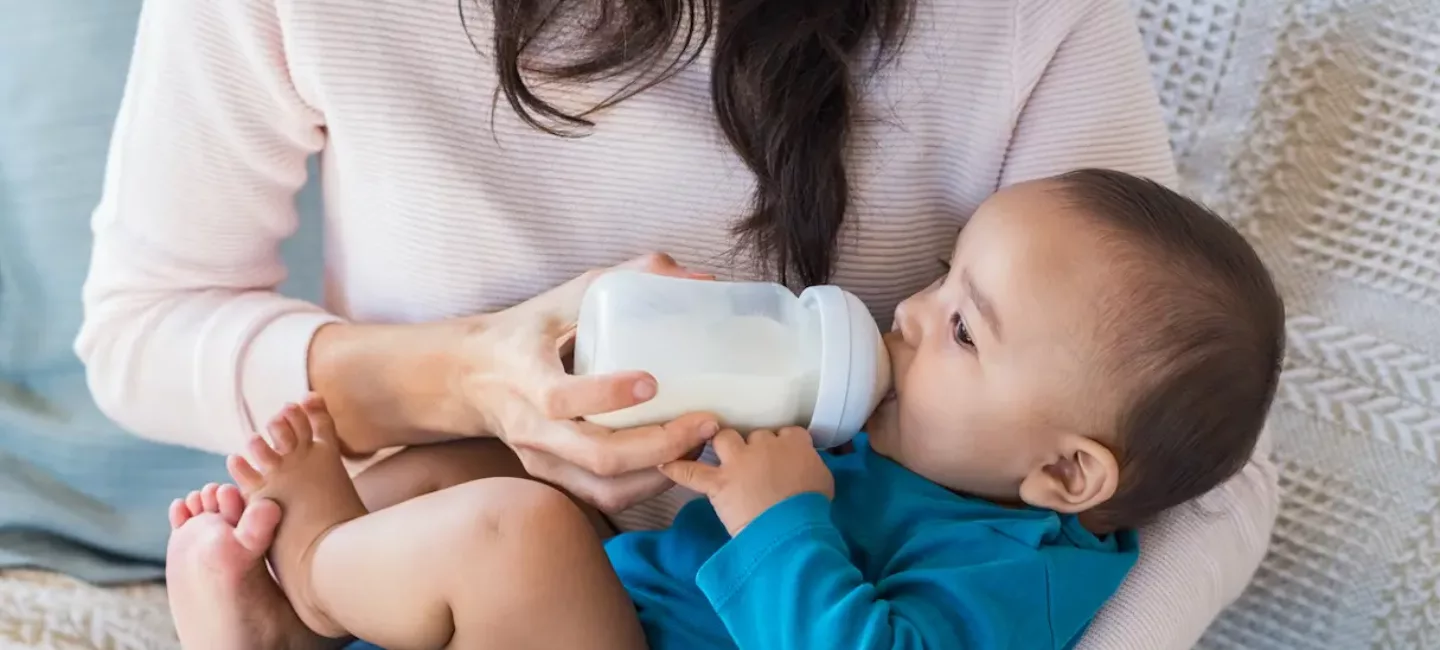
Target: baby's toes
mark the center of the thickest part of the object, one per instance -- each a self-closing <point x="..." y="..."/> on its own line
<point x="300" y="422"/>
<point x="207" y="497"/>
<point x="312" y="403"/>
<point x="282" y="435"/>
<point x="232" y="505"/>
<point x="194" y="503"/>
<point x="261" y="456"/>
<point x="179" y="513"/>
<point x="321" y="423"/>
<point x="244" y="474"/>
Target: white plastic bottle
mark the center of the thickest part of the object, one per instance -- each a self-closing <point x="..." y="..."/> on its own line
<point x="753" y="353"/>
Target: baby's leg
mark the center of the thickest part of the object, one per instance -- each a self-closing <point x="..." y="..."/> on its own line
<point x="417" y="471"/>
<point x="485" y="563"/>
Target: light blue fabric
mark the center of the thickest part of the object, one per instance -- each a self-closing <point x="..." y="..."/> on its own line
<point x="76" y="494"/>
<point x="894" y="562"/>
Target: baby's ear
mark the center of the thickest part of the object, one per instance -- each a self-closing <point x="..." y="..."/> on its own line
<point x="1082" y="476"/>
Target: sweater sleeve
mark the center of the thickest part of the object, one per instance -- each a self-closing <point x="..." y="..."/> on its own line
<point x="1089" y="102"/>
<point x="184" y="339"/>
<point x="1083" y="94"/>
<point x="787" y="581"/>
<point x="1194" y="561"/>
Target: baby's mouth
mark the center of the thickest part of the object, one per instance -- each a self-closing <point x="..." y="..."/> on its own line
<point x="887" y="404"/>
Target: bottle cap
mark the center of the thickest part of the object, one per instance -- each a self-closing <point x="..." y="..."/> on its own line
<point x="854" y="367"/>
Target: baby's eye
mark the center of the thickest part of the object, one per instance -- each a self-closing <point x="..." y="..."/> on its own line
<point x="962" y="333"/>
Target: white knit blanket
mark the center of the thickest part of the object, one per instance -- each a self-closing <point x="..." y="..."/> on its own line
<point x="1316" y="125"/>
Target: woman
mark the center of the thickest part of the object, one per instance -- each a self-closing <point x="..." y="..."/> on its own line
<point x="473" y="158"/>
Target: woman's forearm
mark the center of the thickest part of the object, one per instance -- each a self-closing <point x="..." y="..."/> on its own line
<point x="201" y="369"/>
<point x="391" y="385"/>
<point x="1194" y="561"/>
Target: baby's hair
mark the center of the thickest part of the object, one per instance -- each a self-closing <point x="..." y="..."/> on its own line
<point x="1197" y="345"/>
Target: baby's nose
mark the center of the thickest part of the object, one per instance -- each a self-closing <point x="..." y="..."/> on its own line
<point x="904" y="324"/>
<point x="896" y="338"/>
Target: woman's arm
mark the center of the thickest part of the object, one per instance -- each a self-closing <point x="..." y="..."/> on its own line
<point x="185" y="340"/>
<point x="1194" y="562"/>
<point x="1085" y="99"/>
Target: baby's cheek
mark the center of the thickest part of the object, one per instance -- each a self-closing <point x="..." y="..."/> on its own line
<point x="935" y="434"/>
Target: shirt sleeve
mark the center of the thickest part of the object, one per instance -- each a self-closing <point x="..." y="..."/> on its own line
<point x="1194" y="561"/>
<point x="184" y="338"/>
<point x="1090" y="102"/>
<point x="787" y="581"/>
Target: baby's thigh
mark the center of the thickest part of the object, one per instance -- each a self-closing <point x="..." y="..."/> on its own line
<point x="507" y="562"/>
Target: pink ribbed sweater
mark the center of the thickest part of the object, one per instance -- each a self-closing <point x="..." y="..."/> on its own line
<point x="435" y="207"/>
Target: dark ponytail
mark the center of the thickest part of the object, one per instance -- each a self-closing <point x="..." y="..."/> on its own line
<point x="783" y="81"/>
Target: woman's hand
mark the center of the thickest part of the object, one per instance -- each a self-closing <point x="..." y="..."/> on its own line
<point x="503" y="375"/>
<point x="513" y="377"/>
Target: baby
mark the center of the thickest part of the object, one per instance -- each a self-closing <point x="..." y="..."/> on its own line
<point x="1100" y="349"/>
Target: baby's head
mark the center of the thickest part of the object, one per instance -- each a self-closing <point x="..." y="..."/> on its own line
<point x="1100" y="345"/>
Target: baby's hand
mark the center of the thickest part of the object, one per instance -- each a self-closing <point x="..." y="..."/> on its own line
<point x="755" y="473"/>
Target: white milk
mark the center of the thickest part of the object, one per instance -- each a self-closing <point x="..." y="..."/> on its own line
<point x="751" y="371"/>
<point x="753" y="353"/>
<point x="742" y="402"/>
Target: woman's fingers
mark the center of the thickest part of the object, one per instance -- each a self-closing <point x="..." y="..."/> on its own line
<point x="526" y="397"/>
<point x="608" y="494"/>
<point x="561" y="305"/>
<point x="567" y="397"/>
<point x="552" y="315"/>
<point x="607" y="453"/>
<point x="616" y="494"/>
<point x="658" y="263"/>
<point x="662" y="264"/>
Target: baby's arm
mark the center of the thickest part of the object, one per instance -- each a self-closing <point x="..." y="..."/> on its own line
<point x="787" y="581"/>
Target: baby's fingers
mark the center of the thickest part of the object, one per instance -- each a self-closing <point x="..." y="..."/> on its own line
<point x="698" y="476"/>
<point x="728" y="445"/>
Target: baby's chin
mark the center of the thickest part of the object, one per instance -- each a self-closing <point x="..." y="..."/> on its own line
<point x="884" y="425"/>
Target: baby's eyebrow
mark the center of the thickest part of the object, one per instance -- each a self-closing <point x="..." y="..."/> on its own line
<point x="983" y="304"/>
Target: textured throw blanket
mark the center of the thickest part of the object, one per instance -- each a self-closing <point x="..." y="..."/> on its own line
<point x="1315" y="124"/>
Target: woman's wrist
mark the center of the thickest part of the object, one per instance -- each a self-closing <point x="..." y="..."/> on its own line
<point x="392" y="385"/>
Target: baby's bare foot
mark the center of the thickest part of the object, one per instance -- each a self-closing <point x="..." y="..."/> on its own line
<point x="302" y="471"/>
<point x="221" y="595"/>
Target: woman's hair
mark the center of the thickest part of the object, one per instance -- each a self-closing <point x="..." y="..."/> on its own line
<point x="783" y="83"/>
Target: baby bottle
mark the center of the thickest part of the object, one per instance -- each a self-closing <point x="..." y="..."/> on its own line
<point x="751" y="352"/>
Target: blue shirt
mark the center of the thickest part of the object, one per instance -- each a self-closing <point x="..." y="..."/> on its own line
<point x="895" y="561"/>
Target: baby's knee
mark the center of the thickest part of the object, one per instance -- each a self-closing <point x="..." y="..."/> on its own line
<point x="520" y="511"/>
